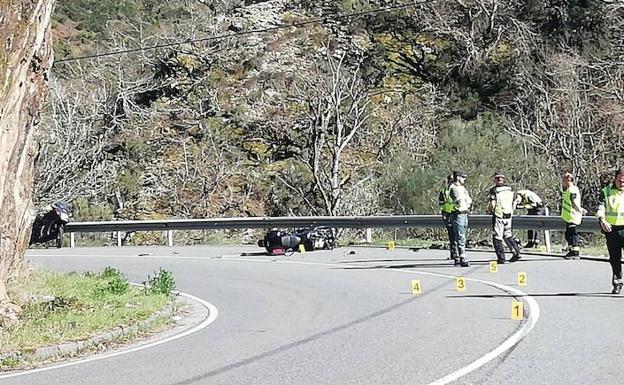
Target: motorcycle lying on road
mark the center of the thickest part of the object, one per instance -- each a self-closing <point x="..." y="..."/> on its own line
<point x="277" y="242"/>
<point x="50" y="225"/>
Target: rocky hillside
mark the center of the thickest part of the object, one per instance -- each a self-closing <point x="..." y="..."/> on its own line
<point x="346" y="115"/>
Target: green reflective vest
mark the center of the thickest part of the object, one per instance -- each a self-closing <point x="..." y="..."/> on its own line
<point x="614" y="205"/>
<point x="445" y="201"/>
<point x="569" y="214"/>
<point x="504" y="201"/>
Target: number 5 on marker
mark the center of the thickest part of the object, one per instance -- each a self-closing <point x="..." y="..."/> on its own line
<point x="416" y="288"/>
<point x="522" y="279"/>
<point x="461" y="283"/>
<point x="493" y="267"/>
<point x="517" y="311"/>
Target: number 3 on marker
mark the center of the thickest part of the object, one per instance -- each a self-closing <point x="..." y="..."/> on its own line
<point x="461" y="283"/>
<point x="522" y="279"/>
<point x="517" y="311"/>
<point x="416" y="288"/>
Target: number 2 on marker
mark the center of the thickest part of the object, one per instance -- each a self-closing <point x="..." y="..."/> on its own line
<point x="461" y="283"/>
<point x="416" y="288"/>
<point x="522" y="279"/>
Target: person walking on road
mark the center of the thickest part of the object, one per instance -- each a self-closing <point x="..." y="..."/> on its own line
<point x="501" y="206"/>
<point x="459" y="217"/>
<point x="446" y="209"/>
<point x="572" y="214"/>
<point x="611" y="217"/>
<point x="529" y="200"/>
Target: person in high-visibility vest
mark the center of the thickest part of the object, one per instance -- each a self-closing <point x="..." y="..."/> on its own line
<point x="529" y="200"/>
<point x="446" y="208"/>
<point x="572" y="214"/>
<point x="462" y="202"/>
<point x="611" y="217"/>
<point x="501" y="206"/>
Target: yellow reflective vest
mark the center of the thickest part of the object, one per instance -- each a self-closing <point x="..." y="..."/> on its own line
<point x="569" y="213"/>
<point x="445" y="201"/>
<point x="612" y="210"/>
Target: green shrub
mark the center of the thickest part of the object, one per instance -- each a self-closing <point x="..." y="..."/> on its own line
<point x="162" y="282"/>
<point x="113" y="283"/>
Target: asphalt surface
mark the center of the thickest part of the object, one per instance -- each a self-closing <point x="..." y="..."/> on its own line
<point x="339" y="318"/>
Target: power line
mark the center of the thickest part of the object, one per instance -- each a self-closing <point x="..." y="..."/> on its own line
<point x="318" y="20"/>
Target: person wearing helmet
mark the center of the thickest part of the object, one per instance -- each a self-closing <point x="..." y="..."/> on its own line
<point x="501" y="206"/>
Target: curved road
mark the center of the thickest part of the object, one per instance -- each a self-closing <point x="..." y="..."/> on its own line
<point x="340" y="318"/>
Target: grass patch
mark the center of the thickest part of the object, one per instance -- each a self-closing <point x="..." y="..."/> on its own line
<point x="71" y="307"/>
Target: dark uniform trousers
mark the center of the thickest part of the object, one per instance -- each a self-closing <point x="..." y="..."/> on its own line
<point x="615" y="243"/>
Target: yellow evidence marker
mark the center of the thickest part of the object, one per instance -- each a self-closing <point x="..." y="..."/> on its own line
<point x="493" y="267"/>
<point x="517" y="310"/>
<point x="390" y="245"/>
<point x="522" y="279"/>
<point x="301" y="248"/>
<point x="460" y="283"/>
<point x="416" y="288"/>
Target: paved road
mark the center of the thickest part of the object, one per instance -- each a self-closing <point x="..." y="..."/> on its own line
<point x="335" y="318"/>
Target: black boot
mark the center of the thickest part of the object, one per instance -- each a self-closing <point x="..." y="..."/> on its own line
<point x="572" y="254"/>
<point x="617" y="288"/>
<point x="500" y="251"/>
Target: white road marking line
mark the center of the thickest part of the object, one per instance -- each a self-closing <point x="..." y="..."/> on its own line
<point x="213" y="314"/>
<point x="534" y="314"/>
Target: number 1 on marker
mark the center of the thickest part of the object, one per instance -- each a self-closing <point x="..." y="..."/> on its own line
<point x="416" y="288"/>
<point x="517" y="311"/>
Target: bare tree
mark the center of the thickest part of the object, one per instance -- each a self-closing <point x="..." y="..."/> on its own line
<point x="336" y="107"/>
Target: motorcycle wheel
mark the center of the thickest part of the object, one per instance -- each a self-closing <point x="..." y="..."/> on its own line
<point x="59" y="237"/>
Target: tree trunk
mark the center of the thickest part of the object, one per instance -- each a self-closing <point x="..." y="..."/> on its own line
<point x="25" y="59"/>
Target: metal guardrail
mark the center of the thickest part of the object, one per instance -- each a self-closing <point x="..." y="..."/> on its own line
<point x="545" y="223"/>
<point x="589" y="224"/>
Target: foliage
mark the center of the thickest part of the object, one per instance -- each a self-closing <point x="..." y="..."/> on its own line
<point x="68" y="307"/>
<point x="232" y="126"/>
<point x="162" y="282"/>
<point x="113" y="282"/>
<point x="479" y="148"/>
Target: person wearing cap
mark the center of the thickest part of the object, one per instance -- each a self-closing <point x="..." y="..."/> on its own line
<point x="611" y="217"/>
<point x="501" y="206"/>
<point x="446" y="208"/>
<point x="572" y="214"/>
<point x="529" y="200"/>
<point x="459" y="217"/>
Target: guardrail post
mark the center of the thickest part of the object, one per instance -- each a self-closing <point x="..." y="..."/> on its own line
<point x="72" y="239"/>
<point x="170" y="238"/>
<point x="547" y="233"/>
<point x="369" y="235"/>
<point x="118" y="238"/>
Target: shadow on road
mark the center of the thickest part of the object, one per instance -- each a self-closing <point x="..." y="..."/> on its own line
<point x="295" y="344"/>
<point x="441" y="263"/>
<point x="580" y="295"/>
